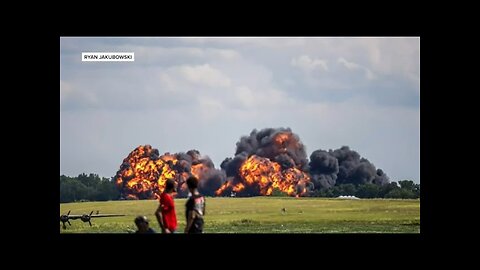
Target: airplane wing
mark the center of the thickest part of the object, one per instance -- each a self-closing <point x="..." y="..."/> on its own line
<point x="74" y="216"/>
<point x="108" y="215"/>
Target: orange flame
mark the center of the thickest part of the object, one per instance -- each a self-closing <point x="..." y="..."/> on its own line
<point x="144" y="177"/>
<point x="261" y="176"/>
<point x="198" y="170"/>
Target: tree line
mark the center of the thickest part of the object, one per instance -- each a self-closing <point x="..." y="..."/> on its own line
<point x="404" y="189"/>
<point x="87" y="188"/>
<point x="93" y="188"/>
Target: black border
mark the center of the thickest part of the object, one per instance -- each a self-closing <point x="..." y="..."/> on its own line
<point x="46" y="102"/>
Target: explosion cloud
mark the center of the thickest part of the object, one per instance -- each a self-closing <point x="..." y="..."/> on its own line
<point x="267" y="161"/>
<point x="264" y="161"/>
<point x="144" y="172"/>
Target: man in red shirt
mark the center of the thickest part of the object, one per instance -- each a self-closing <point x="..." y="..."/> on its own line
<point x="166" y="216"/>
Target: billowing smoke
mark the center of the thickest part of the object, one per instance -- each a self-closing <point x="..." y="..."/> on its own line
<point x="203" y="168"/>
<point x="343" y="166"/>
<point x="144" y="172"/>
<point x="323" y="169"/>
<point x="267" y="160"/>
<point x="280" y="145"/>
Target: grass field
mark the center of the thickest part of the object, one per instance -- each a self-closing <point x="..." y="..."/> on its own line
<point x="261" y="215"/>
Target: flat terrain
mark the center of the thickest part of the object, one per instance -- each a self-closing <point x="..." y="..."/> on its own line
<point x="261" y="215"/>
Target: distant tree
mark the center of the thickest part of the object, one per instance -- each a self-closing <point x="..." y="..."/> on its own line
<point x="107" y="191"/>
<point x="385" y="189"/>
<point x="72" y="190"/>
<point x="87" y="188"/>
<point x="410" y="186"/>
<point x="347" y="189"/>
<point x="416" y="191"/>
<point x="88" y="180"/>
<point x="407" y="184"/>
<point x="335" y="191"/>
<point x="325" y="192"/>
<point x="400" y="193"/>
<point x="368" y="191"/>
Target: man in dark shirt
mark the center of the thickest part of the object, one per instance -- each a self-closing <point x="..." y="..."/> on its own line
<point x="142" y="225"/>
<point x="195" y="207"/>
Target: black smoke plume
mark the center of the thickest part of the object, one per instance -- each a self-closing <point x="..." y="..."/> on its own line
<point x="277" y="146"/>
<point x="323" y="169"/>
<point x="343" y="166"/>
<point x="280" y="145"/>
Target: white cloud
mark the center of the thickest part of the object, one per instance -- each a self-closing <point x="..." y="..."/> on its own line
<point x="163" y="55"/>
<point x="167" y="83"/>
<point x="349" y="65"/>
<point x="246" y="96"/>
<point x="203" y="75"/>
<point x="70" y="96"/>
<point x="224" y="54"/>
<point x="308" y="64"/>
<point x="369" y="74"/>
<point x="65" y="91"/>
<point x="266" y="98"/>
<point x="210" y="108"/>
<point x="265" y="42"/>
<point x="394" y="56"/>
<point x="354" y="66"/>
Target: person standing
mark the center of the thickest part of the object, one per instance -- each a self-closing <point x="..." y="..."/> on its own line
<point x="165" y="213"/>
<point x="195" y="208"/>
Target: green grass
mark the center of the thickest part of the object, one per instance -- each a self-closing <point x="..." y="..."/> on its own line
<point x="262" y="215"/>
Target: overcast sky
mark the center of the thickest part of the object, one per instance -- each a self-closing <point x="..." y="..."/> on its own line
<point x="205" y="93"/>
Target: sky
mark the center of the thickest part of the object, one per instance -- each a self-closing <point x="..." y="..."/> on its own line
<point x="202" y="93"/>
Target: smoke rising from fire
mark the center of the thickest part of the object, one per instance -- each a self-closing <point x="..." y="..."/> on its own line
<point x="323" y="168"/>
<point x="276" y="153"/>
<point x="266" y="161"/>
<point x="343" y="166"/>
<point x="280" y="145"/>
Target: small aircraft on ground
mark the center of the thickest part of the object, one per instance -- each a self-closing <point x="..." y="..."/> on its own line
<point x="85" y="218"/>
